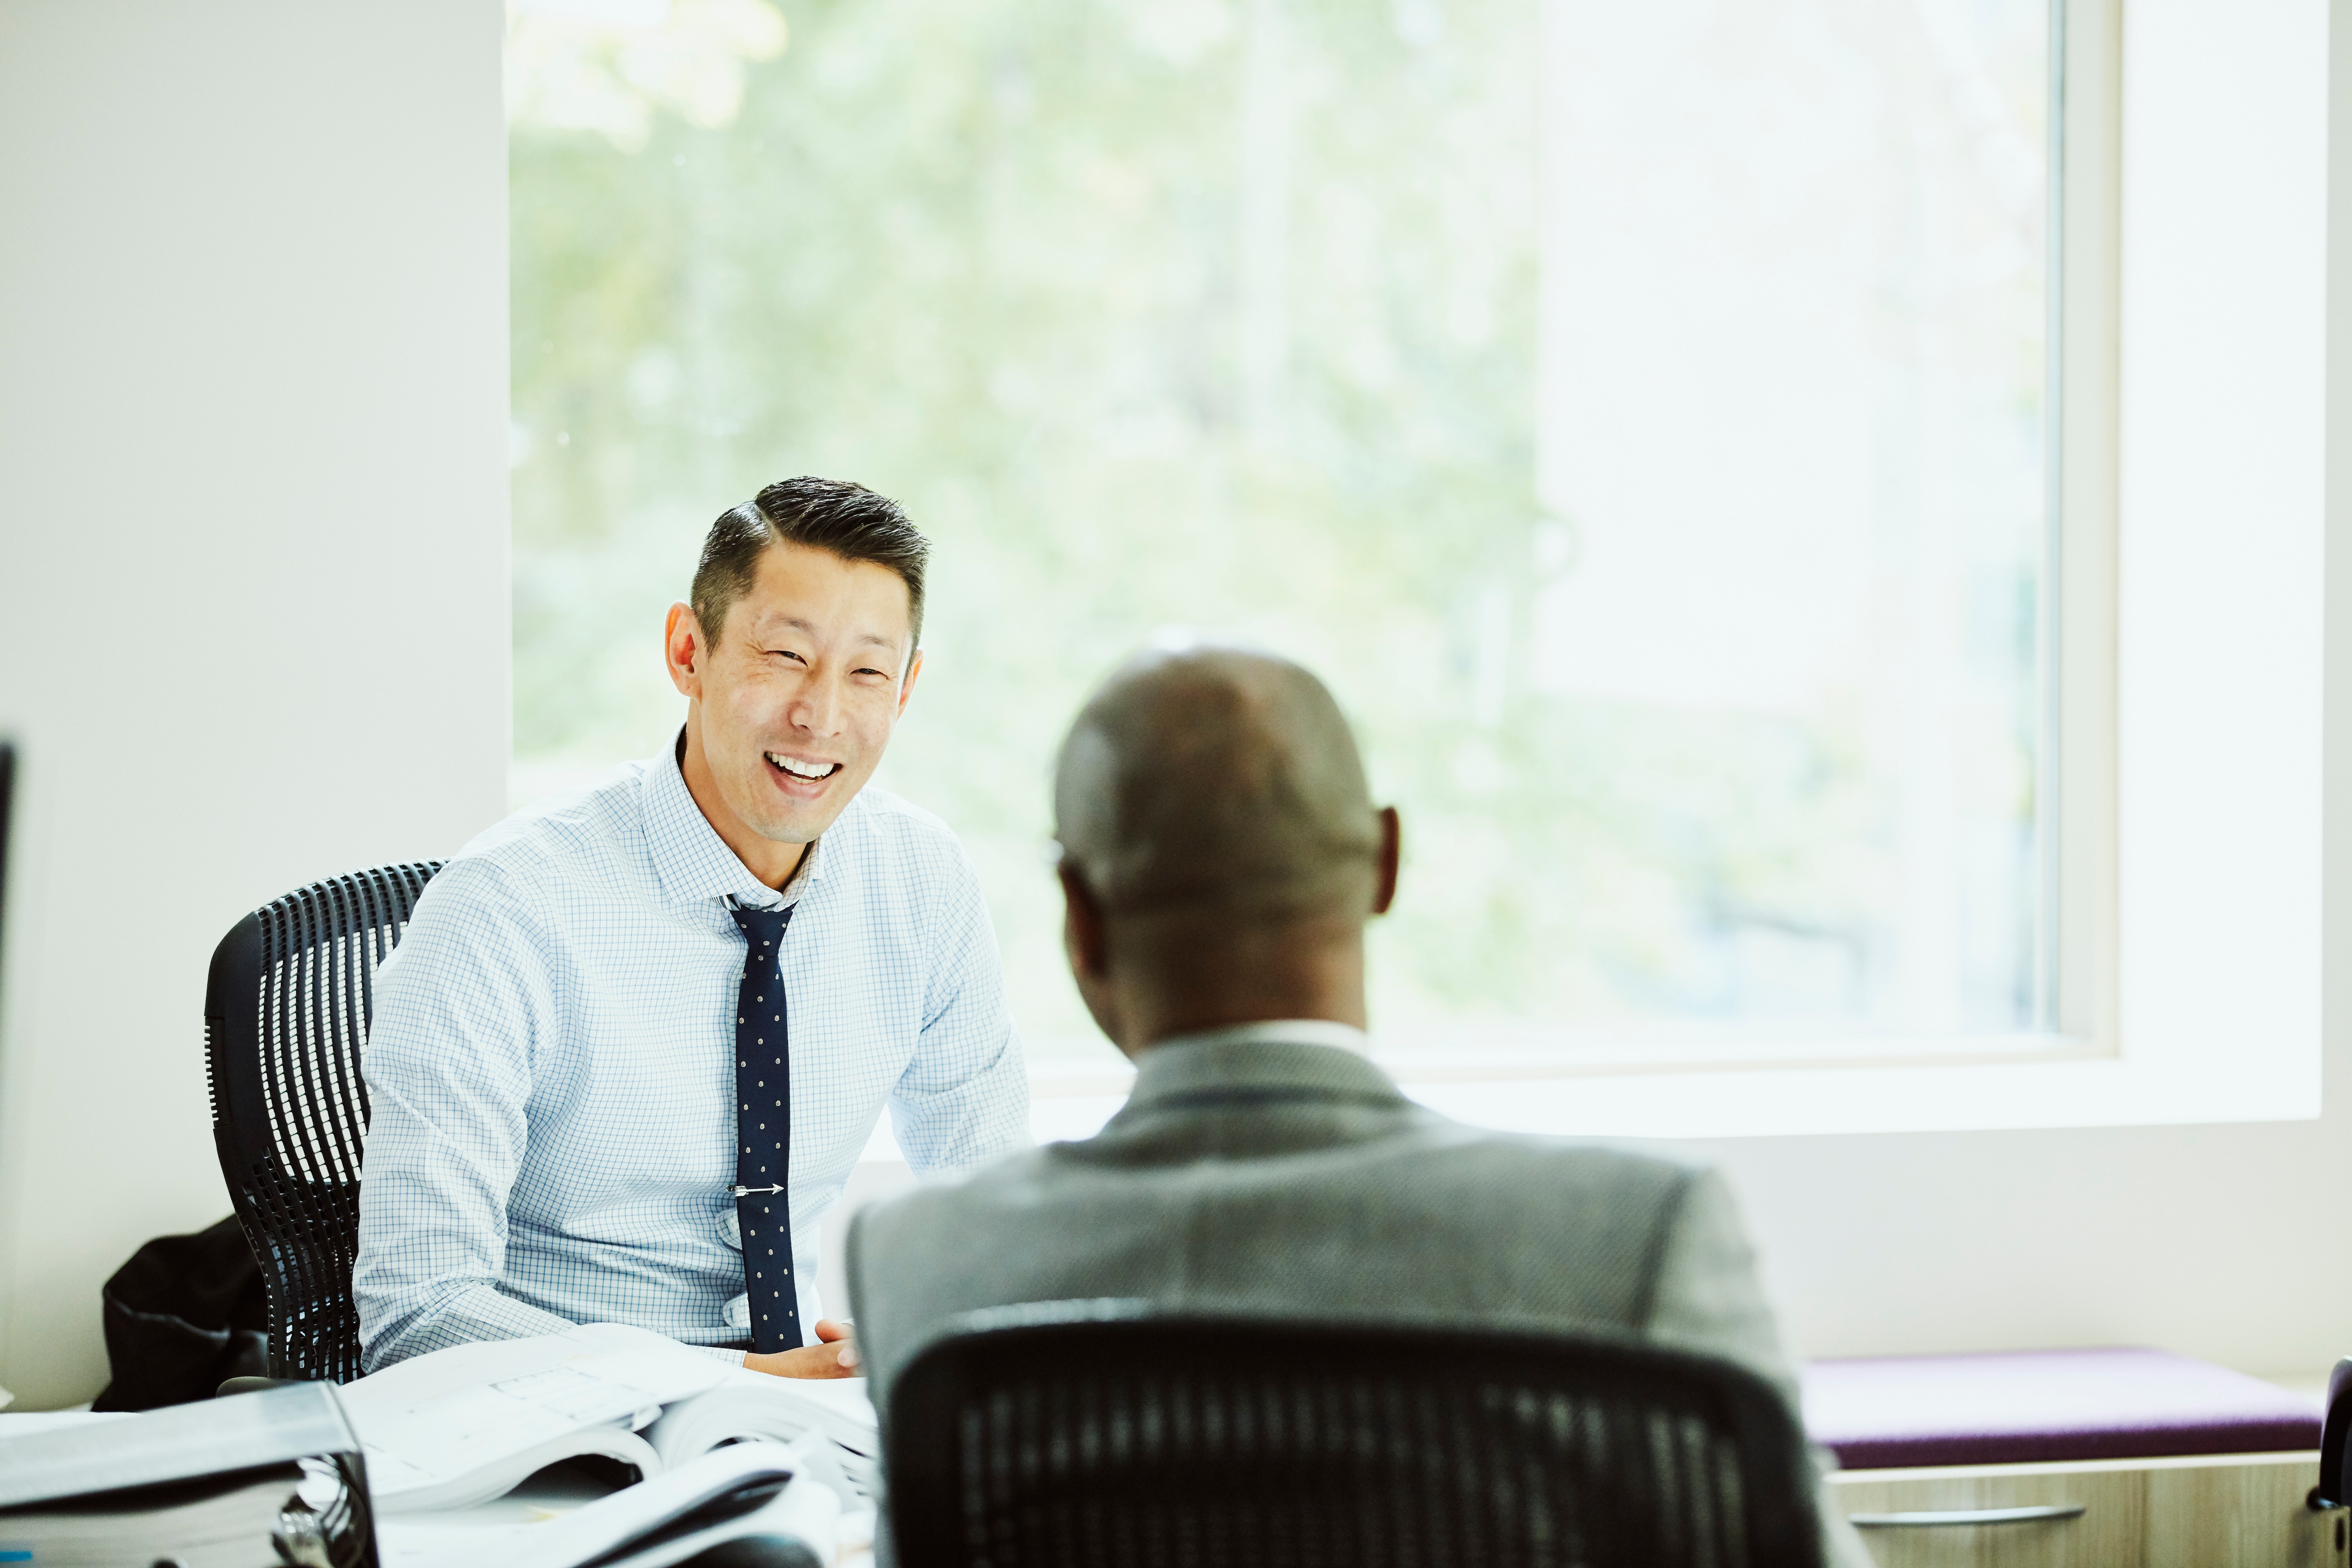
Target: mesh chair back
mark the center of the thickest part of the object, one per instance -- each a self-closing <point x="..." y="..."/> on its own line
<point x="286" y="1013"/>
<point x="1076" y="1435"/>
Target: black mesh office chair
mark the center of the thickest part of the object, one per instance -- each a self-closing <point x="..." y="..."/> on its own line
<point x="286" y="1012"/>
<point x="1092" y="1435"/>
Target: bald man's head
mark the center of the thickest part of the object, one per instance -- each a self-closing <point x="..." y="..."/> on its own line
<point x="1221" y="783"/>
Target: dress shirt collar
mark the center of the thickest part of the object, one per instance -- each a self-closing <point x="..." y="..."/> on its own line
<point x="693" y="861"/>
<point x="1311" y="1055"/>
<point x="1304" y="1031"/>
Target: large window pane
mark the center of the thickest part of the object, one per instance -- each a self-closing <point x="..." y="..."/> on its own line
<point x="1633" y="411"/>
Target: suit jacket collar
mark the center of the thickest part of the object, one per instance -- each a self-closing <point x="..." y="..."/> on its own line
<point x="1205" y="1072"/>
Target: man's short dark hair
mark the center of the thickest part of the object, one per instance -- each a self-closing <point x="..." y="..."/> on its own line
<point x="835" y="514"/>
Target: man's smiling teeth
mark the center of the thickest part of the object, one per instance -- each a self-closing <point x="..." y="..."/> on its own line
<point x="799" y="769"/>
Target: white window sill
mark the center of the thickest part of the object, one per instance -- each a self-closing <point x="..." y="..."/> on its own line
<point x="2272" y="1073"/>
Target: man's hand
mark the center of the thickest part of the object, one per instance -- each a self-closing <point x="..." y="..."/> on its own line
<point x="834" y="1356"/>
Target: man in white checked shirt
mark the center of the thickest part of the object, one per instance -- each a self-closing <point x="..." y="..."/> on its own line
<point x="565" y="1037"/>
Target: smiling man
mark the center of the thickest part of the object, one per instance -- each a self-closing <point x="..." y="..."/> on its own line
<point x="636" y="1037"/>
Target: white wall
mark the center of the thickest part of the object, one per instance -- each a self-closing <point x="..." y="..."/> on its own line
<point x="253" y="600"/>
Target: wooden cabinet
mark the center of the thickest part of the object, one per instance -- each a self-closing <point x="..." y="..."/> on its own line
<point x="2222" y="1511"/>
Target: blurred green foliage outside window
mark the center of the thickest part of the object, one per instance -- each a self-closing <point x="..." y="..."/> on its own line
<point x="1635" y="412"/>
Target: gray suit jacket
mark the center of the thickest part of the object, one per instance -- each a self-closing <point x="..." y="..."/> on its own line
<point x="1296" y="1180"/>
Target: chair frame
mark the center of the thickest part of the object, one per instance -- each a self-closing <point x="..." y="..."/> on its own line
<point x="288" y="1005"/>
<point x="959" y="1381"/>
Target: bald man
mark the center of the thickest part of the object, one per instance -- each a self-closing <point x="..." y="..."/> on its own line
<point x="1219" y="857"/>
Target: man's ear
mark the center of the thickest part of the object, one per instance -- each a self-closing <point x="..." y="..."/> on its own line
<point x="1388" y="855"/>
<point x="907" y="687"/>
<point x="684" y="651"/>
<point x="1083" y="932"/>
<point x="1086" y="938"/>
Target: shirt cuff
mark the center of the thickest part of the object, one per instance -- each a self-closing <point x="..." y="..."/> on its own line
<point x="730" y="1356"/>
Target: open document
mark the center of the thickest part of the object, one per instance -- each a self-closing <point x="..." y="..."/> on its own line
<point x="748" y="1490"/>
<point x="461" y="1425"/>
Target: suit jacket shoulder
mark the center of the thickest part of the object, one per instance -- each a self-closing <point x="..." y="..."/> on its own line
<point x="1392" y="1215"/>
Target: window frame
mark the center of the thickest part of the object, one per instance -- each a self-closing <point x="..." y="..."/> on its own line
<point x="2183" y="832"/>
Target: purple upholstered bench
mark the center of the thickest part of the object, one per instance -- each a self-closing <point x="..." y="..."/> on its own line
<point x="2030" y="1407"/>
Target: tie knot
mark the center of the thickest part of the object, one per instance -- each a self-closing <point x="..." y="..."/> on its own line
<point x="762" y="926"/>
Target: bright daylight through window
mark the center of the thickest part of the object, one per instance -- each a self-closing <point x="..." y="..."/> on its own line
<point x="1636" y="413"/>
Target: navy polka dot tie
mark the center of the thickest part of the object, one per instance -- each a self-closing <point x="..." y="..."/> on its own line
<point x="765" y="1126"/>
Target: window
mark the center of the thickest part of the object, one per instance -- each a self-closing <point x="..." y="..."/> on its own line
<point x="1642" y="415"/>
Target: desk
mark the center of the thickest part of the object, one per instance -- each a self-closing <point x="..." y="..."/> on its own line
<point x="2200" y="1511"/>
<point x="2160" y="1460"/>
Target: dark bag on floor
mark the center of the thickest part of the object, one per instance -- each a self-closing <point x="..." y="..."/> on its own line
<point x="185" y="1315"/>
